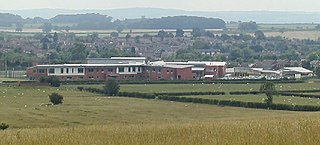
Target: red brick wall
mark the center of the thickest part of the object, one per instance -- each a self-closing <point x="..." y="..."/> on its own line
<point x="217" y="71"/>
<point x="33" y="73"/>
<point x="184" y="73"/>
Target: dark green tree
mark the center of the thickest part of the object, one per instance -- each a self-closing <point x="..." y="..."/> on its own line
<point x="317" y="71"/>
<point x="114" y="34"/>
<point x="270" y="90"/>
<point x="259" y="35"/>
<point x="179" y="33"/>
<point x="56" y="98"/>
<point x="46" y="27"/>
<point x="111" y="87"/>
<point x="197" y="32"/>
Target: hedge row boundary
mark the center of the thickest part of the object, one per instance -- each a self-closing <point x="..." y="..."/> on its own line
<point x="171" y="97"/>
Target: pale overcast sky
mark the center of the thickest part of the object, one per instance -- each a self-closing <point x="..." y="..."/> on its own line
<point x="197" y="5"/>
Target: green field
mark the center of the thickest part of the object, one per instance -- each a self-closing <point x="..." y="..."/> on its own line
<point x="161" y="88"/>
<point x="23" y="106"/>
<point x="87" y="118"/>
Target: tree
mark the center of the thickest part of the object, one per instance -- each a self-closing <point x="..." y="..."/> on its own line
<point x="111" y="87"/>
<point x="46" y="27"/>
<point x="317" y="72"/>
<point x="162" y="34"/>
<point x="56" y="98"/>
<point x="120" y="29"/>
<point x="197" y="32"/>
<point x="317" y="27"/>
<point x="55" y="37"/>
<point x="270" y="90"/>
<point x="114" y="34"/>
<point x="128" y="36"/>
<point x="52" y="80"/>
<point x="4" y="126"/>
<point x="259" y="35"/>
<point x="248" y="26"/>
<point x="179" y="33"/>
<point x="19" y="27"/>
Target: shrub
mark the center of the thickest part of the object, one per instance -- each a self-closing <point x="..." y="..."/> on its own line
<point x="4" y="126"/>
<point x="52" y="80"/>
<point x="56" y="98"/>
<point x="111" y="87"/>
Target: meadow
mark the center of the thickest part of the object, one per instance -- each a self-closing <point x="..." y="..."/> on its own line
<point x="87" y="118"/>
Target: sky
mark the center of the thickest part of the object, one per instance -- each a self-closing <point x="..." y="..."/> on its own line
<point x="192" y="5"/>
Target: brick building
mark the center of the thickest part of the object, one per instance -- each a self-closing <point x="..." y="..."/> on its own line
<point x="129" y="68"/>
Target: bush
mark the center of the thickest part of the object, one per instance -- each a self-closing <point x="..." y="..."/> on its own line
<point x="4" y="126"/>
<point x="111" y="87"/>
<point x="52" y="80"/>
<point x="56" y="98"/>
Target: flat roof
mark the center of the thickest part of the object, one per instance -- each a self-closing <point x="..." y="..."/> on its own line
<point x="88" y="65"/>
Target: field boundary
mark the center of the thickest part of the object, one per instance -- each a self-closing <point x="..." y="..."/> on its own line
<point x="176" y="98"/>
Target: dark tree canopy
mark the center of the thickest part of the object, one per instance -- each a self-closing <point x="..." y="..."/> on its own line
<point x="111" y="87"/>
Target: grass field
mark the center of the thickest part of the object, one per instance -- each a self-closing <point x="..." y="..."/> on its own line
<point x="86" y="118"/>
<point x="23" y="106"/>
<point x="261" y="97"/>
<point x="160" y="88"/>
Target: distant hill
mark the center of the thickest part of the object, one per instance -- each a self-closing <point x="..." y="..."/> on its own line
<point x="7" y="20"/>
<point x="132" y="13"/>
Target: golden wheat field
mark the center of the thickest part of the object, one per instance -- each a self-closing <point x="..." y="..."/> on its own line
<point x="276" y="131"/>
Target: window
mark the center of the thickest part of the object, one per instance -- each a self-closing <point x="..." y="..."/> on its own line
<point x="80" y="78"/>
<point x="67" y="71"/>
<point x="51" y="70"/>
<point x="121" y="69"/>
<point x="110" y="70"/>
<point x="129" y="69"/>
<point x="41" y="71"/>
<point x="72" y="70"/>
<point x="80" y="70"/>
<point x="139" y="69"/>
<point x="69" y="78"/>
<point x="61" y="70"/>
<point x="134" y="69"/>
<point x="91" y="77"/>
<point x="90" y="69"/>
<point x="102" y="70"/>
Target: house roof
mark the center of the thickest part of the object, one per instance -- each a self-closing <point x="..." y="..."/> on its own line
<point x="298" y="69"/>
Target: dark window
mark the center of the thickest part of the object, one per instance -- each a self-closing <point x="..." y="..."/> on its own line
<point x="80" y="78"/>
<point x="41" y="71"/>
<point x="90" y="69"/>
<point x="121" y="69"/>
<point x="67" y="70"/>
<point x="72" y="70"/>
<point x="69" y="78"/>
<point x="134" y="69"/>
<point x="51" y="70"/>
<point x="102" y="70"/>
<point x="129" y="69"/>
<point x="61" y="70"/>
<point x="110" y="70"/>
<point x="139" y="69"/>
<point x="80" y="70"/>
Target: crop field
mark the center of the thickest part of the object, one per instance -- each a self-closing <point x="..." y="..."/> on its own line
<point x="313" y="35"/>
<point x="87" y="118"/>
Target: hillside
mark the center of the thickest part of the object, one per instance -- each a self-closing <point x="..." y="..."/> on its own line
<point x="132" y="13"/>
